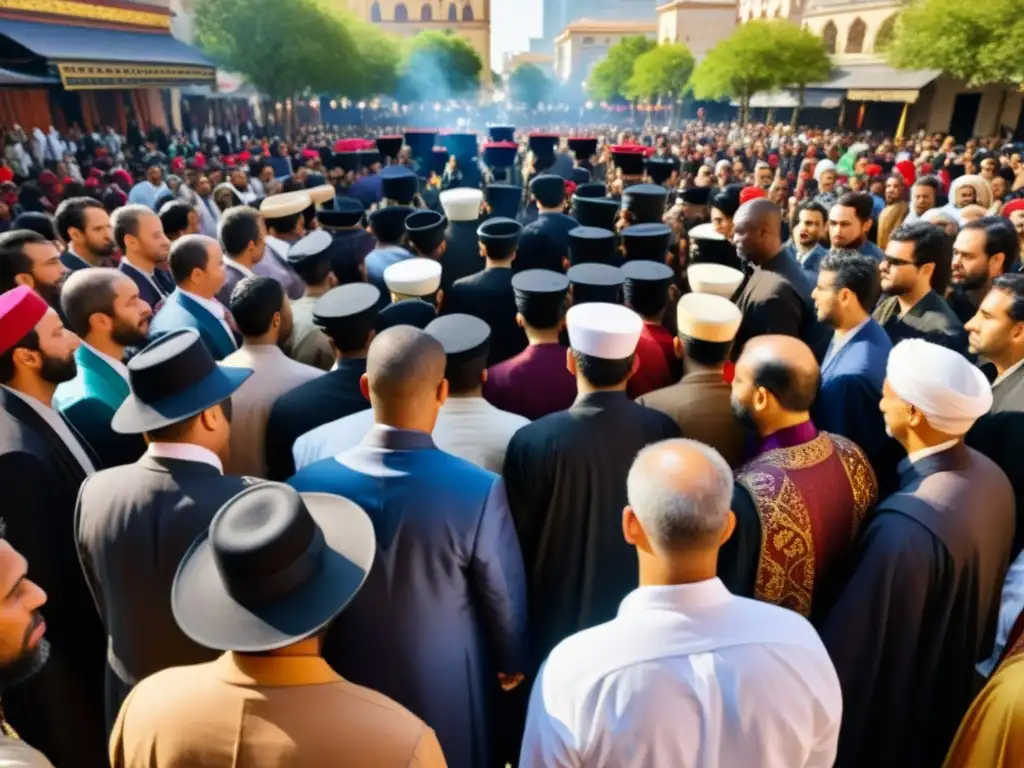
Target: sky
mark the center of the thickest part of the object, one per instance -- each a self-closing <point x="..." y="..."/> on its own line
<point x="513" y="23"/>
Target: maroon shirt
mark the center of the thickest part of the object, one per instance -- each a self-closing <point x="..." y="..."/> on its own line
<point x="533" y="384"/>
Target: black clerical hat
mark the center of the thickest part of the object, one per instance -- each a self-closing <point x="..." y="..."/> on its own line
<point x="595" y="211"/>
<point x="500" y="236"/>
<point x="349" y="308"/>
<point x="502" y="132"/>
<point x="389" y="223"/>
<point x="389" y="146"/>
<point x="592" y="245"/>
<point x="438" y="160"/>
<point x="582" y="147"/>
<point x="367" y="157"/>
<point x="420" y="143"/>
<point x="659" y="169"/>
<point x="503" y="199"/>
<point x="310" y="247"/>
<point x="500" y="154"/>
<point x="645" y="201"/>
<point x="595" y="283"/>
<point x="347" y="161"/>
<point x="398" y="183"/>
<point x="696" y="195"/>
<point x="466" y="341"/>
<point x="629" y="159"/>
<point x="343" y="212"/>
<point x="548" y="189"/>
<point x="173" y="379"/>
<point x="543" y="146"/>
<point x="462" y="145"/>
<point x="540" y="296"/>
<point x="591" y="189"/>
<point x="415" y="312"/>
<point x="727" y="200"/>
<point x="646" y="286"/>
<point x="646" y="241"/>
<point x="274" y="567"/>
<point x="426" y="230"/>
<point x="580" y="176"/>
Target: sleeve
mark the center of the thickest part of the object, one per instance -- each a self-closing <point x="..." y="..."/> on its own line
<point x="739" y="556"/>
<point x="780" y="315"/>
<point x="116" y="747"/>
<point x="546" y="738"/>
<point x="92" y="419"/>
<point x="525" y="489"/>
<point x="85" y="559"/>
<point x="500" y="581"/>
<point x="278" y="448"/>
<point x="846" y="407"/>
<point x="428" y="751"/>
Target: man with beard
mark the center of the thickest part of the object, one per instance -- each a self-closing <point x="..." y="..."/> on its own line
<point x="984" y="249"/>
<point x="809" y="228"/>
<point x="849" y="222"/>
<point x="104" y="308"/>
<point x="140" y="236"/>
<point x="83" y="223"/>
<point x="27" y="258"/>
<point x="25" y="649"/>
<point x="42" y="464"/>
<point x="800" y="501"/>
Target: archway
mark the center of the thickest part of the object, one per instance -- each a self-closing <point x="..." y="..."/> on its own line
<point x="401" y="12"/>
<point x="426" y="12"/>
<point x="855" y="37"/>
<point x="828" y="36"/>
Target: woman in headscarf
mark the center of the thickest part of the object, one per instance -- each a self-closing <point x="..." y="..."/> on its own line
<point x="968" y="190"/>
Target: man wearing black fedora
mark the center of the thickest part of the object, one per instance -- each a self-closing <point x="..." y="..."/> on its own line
<point x="263" y="584"/>
<point x="133" y="523"/>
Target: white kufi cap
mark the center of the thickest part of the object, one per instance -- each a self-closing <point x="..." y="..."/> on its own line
<point x="607" y="331"/>
<point x="413" y="277"/>
<point x="321" y="194"/>
<point x="707" y="317"/>
<point x="462" y="203"/>
<point x="714" y="278"/>
<point x="950" y="391"/>
<point x="285" y="204"/>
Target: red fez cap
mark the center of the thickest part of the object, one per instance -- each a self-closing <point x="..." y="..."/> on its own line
<point x="95" y="173"/>
<point x="6" y="174"/>
<point x="874" y="169"/>
<point x="177" y="164"/>
<point x="751" y="193"/>
<point x="231" y="161"/>
<point x="20" y="309"/>
<point x="310" y="154"/>
<point x="92" y="183"/>
<point x="1012" y="206"/>
<point x="907" y="171"/>
<point x="773" y="160"/>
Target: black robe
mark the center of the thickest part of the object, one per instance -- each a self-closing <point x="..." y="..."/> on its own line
<point x="566" y="481"/>
<point x="489" y="296"/>
<point x="462" y="252"/>
<point x="920" y="610"/>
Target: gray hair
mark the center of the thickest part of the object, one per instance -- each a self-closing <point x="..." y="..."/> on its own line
<point x="681" y="499"/>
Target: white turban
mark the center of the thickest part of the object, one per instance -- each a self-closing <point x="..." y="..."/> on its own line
<point x="821" y="167"/>
<point x="949" y="391"/>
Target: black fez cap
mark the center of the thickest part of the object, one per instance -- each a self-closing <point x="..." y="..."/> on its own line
<point x="595" y="211"/>
<point x="367" y="157"/>
<point x="646" y="286"/>
<point x="347" y="161"/>
<point x="595" y="283"/>
<point x="503" y="199"/>
<point x="709" y="247"/>
<point x="341" y="212"/>
<point x="659" y="169"/>
<point x="389" y="223"/>
<point x="349" y="309"/>
<point x="548" y="189"/>
<point x="696" y="195"/>
<point x="310" y="247"/>
<point x="462" y="145"/>
<point x="420" y="143"/>
<point x="415" y="312"/>
<point x="592" y="244"/>
<point x="591" y="189"/>
<point x="502" y="132"/>
<point x="646" y="241"/>
<point x="389" y="146"/>
<point x="543" y="144"/>
<point x="426" y="230"/>
<point x="582" y="147"/>
<point x="438" y="160"/>
<point x="500" y="237"/>
<point x="629" y="161"/>
<point x="398" y="183"/>
<point x="466" y="341"/>
<point x="728" y="200"/>
<point x="540" y="296"/>
<point x="645" y="201"/>
<point x="580" y="175"/>
<point x="500" y="154"/>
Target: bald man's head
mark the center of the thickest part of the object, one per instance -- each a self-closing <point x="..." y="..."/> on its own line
<point x="404" y="363"/>
<point x="757" y="231"/>
<point x="681" y="492"/>
<point x="782" y="366"/>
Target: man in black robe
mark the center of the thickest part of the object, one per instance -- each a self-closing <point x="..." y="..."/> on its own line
<point x="920" y="607"/>
<point x="566" y="479"/>
<point x="462" y="249"/>
<point x="545" y="242"/>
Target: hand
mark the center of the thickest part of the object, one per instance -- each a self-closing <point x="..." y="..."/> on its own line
<point x="509" y="682"/>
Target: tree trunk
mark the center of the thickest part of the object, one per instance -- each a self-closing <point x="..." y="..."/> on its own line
<point x="744" y="107"/>
<point x="1003" y="97"/>
<point x="799" y="105"/>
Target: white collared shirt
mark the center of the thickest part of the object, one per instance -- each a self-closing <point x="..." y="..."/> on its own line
<point x="697" y="676"/>
<point x="838" y="342"/>
<point x="228" y="261"/>
<point x="215" y="308"/>
<point x="119" y="367"/>
<point x="1011" y="603"/>
<point x="1007" y="373"/>
<point x="145" y="274"/>
<point x="924" y="453"/>
<point x="58" y="425"/>
<point x="185" y="452"/>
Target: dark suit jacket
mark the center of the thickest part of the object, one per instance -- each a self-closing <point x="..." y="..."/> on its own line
<point x="930" y="319"/>
<point x="133" y="524"/>
<point x="73" y="261"/>
<point x="462" y="252"/>
<point x="151" y="296"/>
<point x="326" y="398"/>
<point x="180" y="311"/>
<point x="544" y="243"/>
<point x="59" y="710"/>
<point x="776" y="299"/>
<point x="489" y="296"/>
<point x="232" y="277"/>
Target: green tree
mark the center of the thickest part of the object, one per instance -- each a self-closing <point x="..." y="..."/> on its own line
<point x="529" y="85"/>
<point x="439" y="65"/>
<point x="978" y="43"/>
<point x="804" y="60"/>
<point x="608" y="78"/>
<point x="745" y="63"/>
<point x="662" y="72"/>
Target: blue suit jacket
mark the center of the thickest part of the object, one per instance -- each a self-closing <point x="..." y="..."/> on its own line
<point x="73" y="261"/>
<point x="179" y="311"/>
<point x="89" y="402"/>
<point x="146" y="291"/>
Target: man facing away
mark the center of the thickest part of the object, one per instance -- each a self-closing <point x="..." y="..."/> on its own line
<point x="311" y="259"/>
<point x="686" y="674"/>
<point x="243" y="236"/>
<point x="448" y="581"/>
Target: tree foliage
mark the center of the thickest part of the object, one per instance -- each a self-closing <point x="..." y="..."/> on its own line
<point x="438" y="66"/>
<point x="529" y="85"/>
<point x="804" y="59"/>
<point x="608" y="78"/>
<point x="663" y="71"/>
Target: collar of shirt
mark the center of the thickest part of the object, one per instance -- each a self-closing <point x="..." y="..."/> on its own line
<point x="924" y="453"/>
<point x="790" y="437"/>
<point x="1007" y="373"/>
<point x="676" y="597"/>
<point x="59" y="426"/>
<point x="212" y="306"/>
<point x="265" y="352"/>
<point x="279" y="246"/>
<point x="240" y="267"/>
<point x="185" y="452"/>
<point x="842" y="341"/>
<point x="119" y="367"/>
<point x="273" y="671"/>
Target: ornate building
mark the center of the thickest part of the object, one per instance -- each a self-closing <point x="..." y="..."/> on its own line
<point x="699" y="24"/>
<point x="770" y="9"/>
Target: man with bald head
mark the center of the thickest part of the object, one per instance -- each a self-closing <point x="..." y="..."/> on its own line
<point x="776" y="297"/>
<point x="800" y="501"/>
<point x="440" y="625"/>
<point x="696" y="675"/>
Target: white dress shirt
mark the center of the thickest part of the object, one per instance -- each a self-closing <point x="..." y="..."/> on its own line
<point x="924" y="453"/>
<point x="838" y="342"/>
<point x="687" y="676"/>
<point x="1011" y="604"/>
<point x="58" y="425"/>
<point x="185" y="452"/>
<point x="215" y="308"/>
<point x="119" y="367"/>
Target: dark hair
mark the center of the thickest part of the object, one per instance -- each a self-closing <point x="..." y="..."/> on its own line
<point x="164" y="199"/>
<point x="284" y="224"/>
<point x="856" y="272"/>
<point x="179" y="430"/>
<point x="1013" y="284"/>
<point x="705" y="352"/>
<point x="793" y="392"/>
<point x="1000" y="237"/>
<point x="253" y="304"/>
<point x="126" y="222"/>
<point x="174" y="217"/>
<point x="931" y="246"/>
<point x="542" y="315"/>
<point x="29" y="341"/>
<point x="238" y="227"/>
<point x="466" y="375"/>
<point x="13" y="259"/>
<point x="930" y="181"/>
<point x="812" y="205"/>
<point x="187" y="254"/>
<point x="601" y="372"/>
<point x="86" y="292"/>
<point x="71" y="214"/>
<point x="862" y="203"/>
<point x="314" y="269"/>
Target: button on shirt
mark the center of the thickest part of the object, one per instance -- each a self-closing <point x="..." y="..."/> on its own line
<point x="687" y="676"/>
<point x="55" y="422"/>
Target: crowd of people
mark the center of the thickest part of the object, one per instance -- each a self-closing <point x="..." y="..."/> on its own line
<point x="693" y="447"/>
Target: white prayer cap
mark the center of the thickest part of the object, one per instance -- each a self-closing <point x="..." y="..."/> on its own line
<point x="950" y="391"/>
<point x="707" y="317"/>
<point x="462" y="203"/>
<point x="705" y="231"/>
<point x="413" y="277"/>
<point x="285" y="204"/>
<point x="321" y="194"/>
<point x="608" y="331"/>
<point x="821" y="167"/>
<point x="714" y="278"/>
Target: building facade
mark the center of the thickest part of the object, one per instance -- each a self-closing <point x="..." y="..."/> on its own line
<point x="699" y="24"/>
<point x="559" y="14"/>
<point x="770" y="9"/>
<point x="585" y="42"/>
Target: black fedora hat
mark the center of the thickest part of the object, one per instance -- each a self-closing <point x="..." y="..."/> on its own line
<point x="274" y="567"/>
<point x="173" y="379"/>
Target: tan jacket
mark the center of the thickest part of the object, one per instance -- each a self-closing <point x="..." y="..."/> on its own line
<point x="244" y="711"/>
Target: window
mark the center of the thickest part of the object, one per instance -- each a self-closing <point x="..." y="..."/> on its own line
<point x="886" y="33"/>
<point x="828" y="36"/>
<point x="426" y="13"/>
<point x="855" y="37"/>
<point x="453" y="12"/>
<point x="375" y="12"/>
<point x="588" y="41"/>
<point x="467" y="12"/>
<point x="401" y="12"/>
